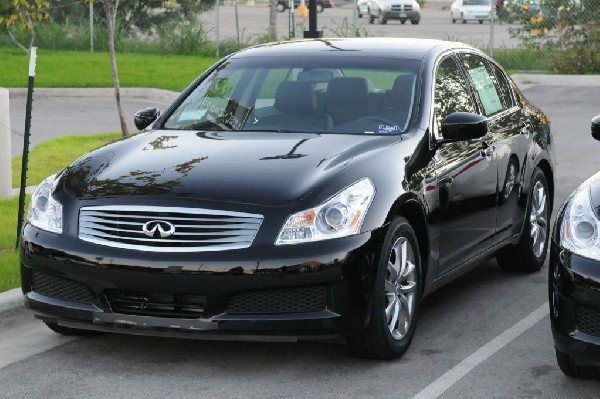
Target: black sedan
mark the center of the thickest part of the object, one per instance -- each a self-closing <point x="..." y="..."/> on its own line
<point x="298" y="190"/>
<point x="574" y="280"/>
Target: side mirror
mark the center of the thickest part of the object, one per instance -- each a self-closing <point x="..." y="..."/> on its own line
<point x="596" y="127"/>
<point x="144" y="117"/>
<point x="459" y="126"/>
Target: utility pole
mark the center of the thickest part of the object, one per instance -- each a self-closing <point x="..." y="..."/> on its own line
<point x="312" y="32"/>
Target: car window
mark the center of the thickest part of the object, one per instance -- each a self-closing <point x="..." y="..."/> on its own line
<point x="505" y="90"/>
<point x="451" y="92"/>
<point x="349" y="94"/>
<point x="491" y="96"/>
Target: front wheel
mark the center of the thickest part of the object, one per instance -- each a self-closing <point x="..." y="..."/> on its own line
<point x="281" y="6"/>
<point x="371" y="17"/>
<point x="529" y="254"/>
<point x="414" y="21"/>
<point x="570" y="369"/>
<point x="359" y="13"/>
<point x="320" y="7"/>
<point x="394" y="297"/>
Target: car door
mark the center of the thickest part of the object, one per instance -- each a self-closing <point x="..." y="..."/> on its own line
<point x="509" y="135"/>
<point x="467" y="175"/>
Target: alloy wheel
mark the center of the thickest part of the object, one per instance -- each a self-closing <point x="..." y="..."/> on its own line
<point x="400" y="288"/>
<point x="539" y="219"/>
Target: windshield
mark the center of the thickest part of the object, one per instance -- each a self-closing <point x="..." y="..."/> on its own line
<point x="476" y="3"/>
<point x="338" y="94"/>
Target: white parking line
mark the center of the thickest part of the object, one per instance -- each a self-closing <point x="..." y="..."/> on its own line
<point x="452" y="376"/>
<point x="29" y="340"/>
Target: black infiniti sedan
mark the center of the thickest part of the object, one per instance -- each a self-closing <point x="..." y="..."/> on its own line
<point x="574" y="279"/>
<point x="298" y="190"/>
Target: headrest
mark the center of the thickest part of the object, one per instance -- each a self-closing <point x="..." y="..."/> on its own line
<point x="295" y="97"/>
<point x="315" y="76"/>
<point x="403" y="84"/>
<point x="347" y="90"/>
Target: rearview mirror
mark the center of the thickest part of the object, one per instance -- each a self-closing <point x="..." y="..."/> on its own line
<point x="596" y="127"/>
<point x="459" y="126"/>
<point x="144" y="117"/>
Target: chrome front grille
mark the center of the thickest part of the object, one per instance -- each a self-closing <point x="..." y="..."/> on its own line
<point x="196" y="230"/>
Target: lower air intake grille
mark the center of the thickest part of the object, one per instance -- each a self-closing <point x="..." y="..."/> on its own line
<point x="588" y="320"/>
<point x="157" y="304"/>
<point x="292" y="300"/>
<point x="60" y="288"/>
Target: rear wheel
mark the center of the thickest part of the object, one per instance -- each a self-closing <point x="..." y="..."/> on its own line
<point x="359" y="13"/>
<point x="530" y="252"/>
<point x="371" y="17"/>
<point x="402" y="21"/>
<point x="70" y="331"/>
<point x="281" y="7"/>
<point x="320" y="7"/>
<point x="414" y="21"/>
<point x="462" y="16"/>
<point x="480" y="21"/>
<point x="395" y="296"/>
<point x="570" y="369"/>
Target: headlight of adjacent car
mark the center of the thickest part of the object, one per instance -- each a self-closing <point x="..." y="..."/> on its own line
<point x="44" y="211"/>
<point x="340" y="216"/>
<point x="580" y="226"/>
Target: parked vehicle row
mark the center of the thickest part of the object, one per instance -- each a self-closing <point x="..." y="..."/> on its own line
<point x="386" y="10"/>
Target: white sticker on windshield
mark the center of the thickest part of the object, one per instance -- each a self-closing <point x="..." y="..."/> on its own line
<point x="388" y="129"/>
<point x="486" y="90"/>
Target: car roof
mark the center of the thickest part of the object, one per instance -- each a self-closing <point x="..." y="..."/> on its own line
<point x="404" y="48"/>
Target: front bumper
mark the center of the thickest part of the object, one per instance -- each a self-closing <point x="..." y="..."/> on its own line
<point x="574" y="289"/>
<point x="236" y="294"/>
<point x="402" y="15"/>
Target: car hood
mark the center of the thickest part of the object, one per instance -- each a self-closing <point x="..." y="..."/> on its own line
<point x="243" y="167"/>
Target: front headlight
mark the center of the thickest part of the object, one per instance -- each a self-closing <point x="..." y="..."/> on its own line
<point x="340" y="216"/>
<point x="580" y="226"/>
<point x="44" y="211"/>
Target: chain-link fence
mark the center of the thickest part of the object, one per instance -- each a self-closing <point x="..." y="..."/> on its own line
<point x="526" y="35"/>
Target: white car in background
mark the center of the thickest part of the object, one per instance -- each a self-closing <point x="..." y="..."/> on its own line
<point x="362" y="6"/>
<point x="470" y="10"/>
<point x="400" y="10"/>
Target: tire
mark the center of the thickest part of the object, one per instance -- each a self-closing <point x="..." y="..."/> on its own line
<point x="381" y="19"/>
<point x="371" y="17"/>
<point x="414" y="21"/>
<point x="71" y="331"/>
<point x="395" y="296"/>
<point x="402" y="21"/>
<point x="452" y="18"/>
<point x="570" y="369"/>
<point x="480" y="21"/>
<point x="320" y="8"/>
<point x="358" y="12"/>
<point x="529" y="254"/>
<point x="462" y="16"/>
<point x="281" y="6"/>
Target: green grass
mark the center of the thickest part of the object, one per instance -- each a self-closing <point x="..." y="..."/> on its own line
<point x="47" y="158"/>
<point x="9" y="258"/>
<point x="84" y="69"/>
<point x="50" y="156"/>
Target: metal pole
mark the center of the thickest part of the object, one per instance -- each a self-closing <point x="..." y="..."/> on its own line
<point x="312" y="32"/>
<point x="91" y="26"/>
<point x="217" y="29"/>
<point x="354" y="15"/>
<point x="237" y="25"/>
<point x="25" y="161"/>
<point x="492" y="18"/>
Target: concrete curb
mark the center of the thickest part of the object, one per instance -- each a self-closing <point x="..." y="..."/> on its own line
<point x="126" y="92"/>
<point x="11" y="299"/>
<point x="525" y="80"/>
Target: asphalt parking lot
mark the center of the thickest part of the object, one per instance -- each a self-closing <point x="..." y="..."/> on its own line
<point x="486" y="335"/>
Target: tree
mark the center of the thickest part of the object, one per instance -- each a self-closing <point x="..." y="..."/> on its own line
<point x="110" y="8"/>
<point x="22" y="15"/>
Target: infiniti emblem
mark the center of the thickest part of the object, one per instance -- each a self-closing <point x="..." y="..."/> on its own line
<point x="158" y="229"/>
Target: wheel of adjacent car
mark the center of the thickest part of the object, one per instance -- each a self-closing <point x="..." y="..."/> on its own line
<point x="281" y="7"/>
<point x="70" y="331"/>
<point x="381" y="18"/>
<point x="320" y="7"/>
<point x="480" y="21"/>
<point x="452" y="18"/>
<point x="570" y="369"/>
<point x="359" y="13"/>
<point x="414" y="21"/>
<point x="529" y="254"/>
<point x="402" y="21"/>
<point x="462" y="16"/>
<point x="371" y="17"/>
<point x="395" y="296"/>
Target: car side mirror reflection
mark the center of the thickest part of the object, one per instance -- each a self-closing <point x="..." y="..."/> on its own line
<point x="459" y="126"/>
<point x="596" y="127"/>
<point x="145" y="117"/>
